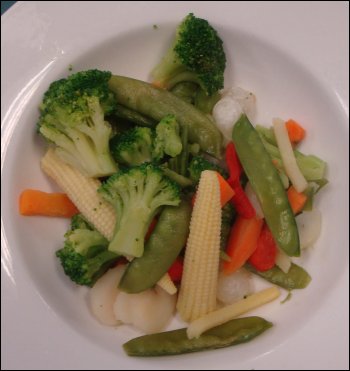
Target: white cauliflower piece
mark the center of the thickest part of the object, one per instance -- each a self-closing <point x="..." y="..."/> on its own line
<point x="234" y="287"/>
<point x="229" y="108"/>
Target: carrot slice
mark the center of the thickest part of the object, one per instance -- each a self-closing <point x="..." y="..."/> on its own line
<point x="34" y="202"/>
<point x="226" y="192"/>
<point x="296" y="132"/>
<point x="296" y="199"/>
<point x="242" y="242"/>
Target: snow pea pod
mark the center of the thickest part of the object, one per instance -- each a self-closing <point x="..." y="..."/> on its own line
<point x="296" y="278"/>
<point x="156" y="103"/>
<point x="234" y="332"/>
<point x="162" y="248"/>
<point x="267" y="185"/>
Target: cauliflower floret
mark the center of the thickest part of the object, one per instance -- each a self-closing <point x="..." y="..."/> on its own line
<point x="234" y="287"/>
<point x="229" y="108"/>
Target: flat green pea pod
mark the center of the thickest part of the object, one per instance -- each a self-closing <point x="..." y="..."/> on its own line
<point x="234" y="332"/>
<point x="157" y="103"/>
<point x="296" y="278"/>
<point x="134" y="117"/>
<point x="267" y="185"/>
<point x="162" y="248"/>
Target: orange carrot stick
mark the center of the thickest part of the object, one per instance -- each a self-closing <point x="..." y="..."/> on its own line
<point x="242" y="242"/>
<point x="296" y="199"/>
<point x="226" y="192"/>
<point x="296" y="132"/>
<point x="34" y="202"/>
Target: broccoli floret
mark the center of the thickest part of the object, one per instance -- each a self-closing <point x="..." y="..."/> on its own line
<point x="72" y="117"/>
<point x="167" y="140"/>
<point x="84" y="256"/>
<point x="137" y="195"/>
<point x="196" y="55"/>
<point x="79" y="222"/>
<point x="199" y="164"/>
<point x="140" y="144"/>
<point x="134" y="146"/>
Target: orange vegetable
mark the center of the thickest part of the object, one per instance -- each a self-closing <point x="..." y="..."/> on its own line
<point x="34" y="202"/>
<point x="296" y="132"/>
<point x="242" y="242"/>
<point x="296" y="199"/>
<point x="226" y="191"/>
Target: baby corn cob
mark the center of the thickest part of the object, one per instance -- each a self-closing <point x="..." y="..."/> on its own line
<point x="83" y="193"/>
<point x="197" y="295"/>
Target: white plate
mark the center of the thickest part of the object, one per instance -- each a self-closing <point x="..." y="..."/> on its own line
<point x="294" y="56"/>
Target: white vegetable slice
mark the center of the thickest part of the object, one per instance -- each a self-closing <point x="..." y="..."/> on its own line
<point x="103" y="294"/>
<point x="283" y="261"/>
<point x="149" y="311"/>
<point x="225" y="314"/>
<point x="245" y="98"/>
<point x="234" y="287"/>
<point x="226" y="112"/>
<point x="309" y="226"/>
<point x="289" y="162"/>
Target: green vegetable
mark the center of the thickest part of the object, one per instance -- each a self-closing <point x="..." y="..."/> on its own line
<point x="167" y="140"/>
<point x="176" y="177"/>
<point x="205" y="103"/>
<point x="157" y="103"/>
<point x="199" y="164"/>
<point x="228" y="214"/>
<point x="134" y="117"/>
<point x="73" y="118"/>
<point x="85" y="257"/>
<point x="296" y="278"/>
<point x="234" y="332"/>
<point x="161" y="250"/>
<point x="312" y="167"/>
<point x="186" y="91"/>
<point x="134" y="146"/>
<point x="197" y="55"/>
<point x="191" y="93"/>
<point x="267" y="185"/>
<point x="137" y="195"/>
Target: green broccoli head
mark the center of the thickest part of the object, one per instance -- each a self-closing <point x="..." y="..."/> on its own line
<point x="196" y="55"/>
<point x="72" y="118"/>
<point x="199" y="164"/>
<point x="137" y="194"/>
<point x="134" y="146"/>
<point x="84" y="256"/>
<point x="167" y="140"/>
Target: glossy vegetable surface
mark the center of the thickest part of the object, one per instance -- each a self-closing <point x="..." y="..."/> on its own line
<point x="157" y="103"/>
<point x="176" y="342"/>
<point x="267" y="185"/>
<point x="161" y="250"/>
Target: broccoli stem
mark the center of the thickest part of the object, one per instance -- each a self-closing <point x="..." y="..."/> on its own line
<point x="135" y="222"/>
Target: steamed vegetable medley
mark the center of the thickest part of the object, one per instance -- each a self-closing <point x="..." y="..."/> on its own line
<point x="176" y="199"/>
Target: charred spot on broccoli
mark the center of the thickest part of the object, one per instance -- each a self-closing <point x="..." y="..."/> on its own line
<point x="137" y="194"/>
<point x="197" y="55"/>
<point x="72" y="117"/>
